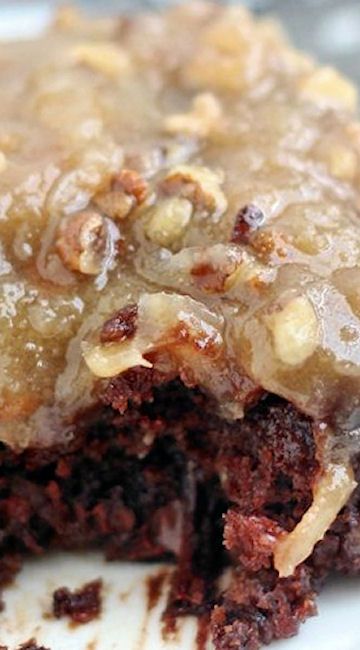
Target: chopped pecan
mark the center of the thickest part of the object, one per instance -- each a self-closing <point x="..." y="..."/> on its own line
<point x="128" y="189"/>
<point x="115" y="203"/>
<point x="177" y="324"/>
<point x="200" y="185"/>
<point x="132" y="183"/>
<point x="86" y="241"/>
<point x="121" y="326"/>
<point x="247" y="220"/>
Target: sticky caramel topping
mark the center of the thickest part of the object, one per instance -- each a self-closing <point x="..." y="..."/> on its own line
<point x="190" y="164"/>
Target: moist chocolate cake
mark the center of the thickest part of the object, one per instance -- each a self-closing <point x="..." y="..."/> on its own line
<point x="180" y="310"/>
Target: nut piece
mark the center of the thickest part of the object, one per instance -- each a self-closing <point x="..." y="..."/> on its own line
<point x="121" y="326"/>
<point x="107" y="58"/>
<point x="128" y="189"/>
<point x="83" y="241"/>
<point x="200" y="185"/>
<point x="115" y="203"/>
<point x="295" y="331"/>
<point x="343" y="162"/>
<point x="204" y="116"/>
<point x="168" y="221"/>
<point x="327" y="87"/>
<point x="177" y="323"/>
<point x="113" y="359"/>
<point x="247" y="220"/>
<point x="132" y="183"/>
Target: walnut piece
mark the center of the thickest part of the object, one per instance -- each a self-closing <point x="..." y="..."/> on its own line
<point x="200" y="185"/>
<point x="168" y="221"/>
<point x="204" y="116"/>
<point x="295" y="331"/>
<point x="85" y="241"/>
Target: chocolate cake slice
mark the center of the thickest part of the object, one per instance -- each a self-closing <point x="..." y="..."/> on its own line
<point x="180" y="310"/>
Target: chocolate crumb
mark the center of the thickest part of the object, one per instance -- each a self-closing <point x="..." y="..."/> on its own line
<point x="247" y="220"/>
<point x="120" y="326"/>
<point x="82" y="605"/>
<point x="28" y="645"/>
<point x="31" y="645"/>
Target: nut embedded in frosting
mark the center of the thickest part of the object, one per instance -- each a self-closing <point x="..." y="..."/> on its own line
<point x="113" y="359"/>
<point x="131" y="183"/>
<point x="200" y="185"/>
<point x="295" y="331"/>
<point x="128" y="189"/>
<point x="86" y="242"/>
<point x="168" y="221"/>
<point x="166" y="323"/>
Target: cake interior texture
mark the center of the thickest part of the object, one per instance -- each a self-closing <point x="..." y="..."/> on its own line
<point x="180" y="310"/>
<point x="145" y="485"/>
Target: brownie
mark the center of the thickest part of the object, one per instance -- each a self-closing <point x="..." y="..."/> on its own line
<point x="180" y="311"/>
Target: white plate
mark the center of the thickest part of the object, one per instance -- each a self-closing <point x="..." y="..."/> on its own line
<point x="125" y="622"/>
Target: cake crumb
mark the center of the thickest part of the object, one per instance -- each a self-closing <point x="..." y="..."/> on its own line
<point x="28" y="645"/>
<point x="81" y="605"/>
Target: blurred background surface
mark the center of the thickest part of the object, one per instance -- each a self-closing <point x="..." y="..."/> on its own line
<point x="329" y="29"/>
